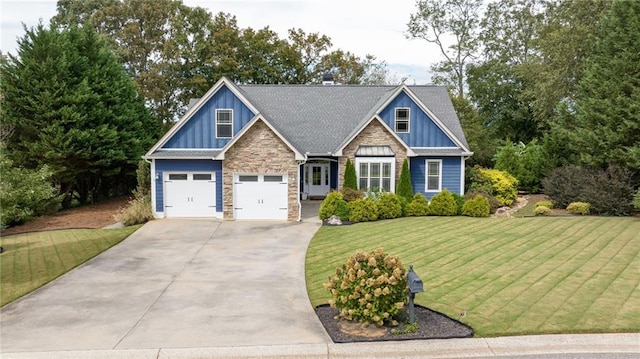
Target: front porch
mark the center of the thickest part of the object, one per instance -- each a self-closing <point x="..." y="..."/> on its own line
<point x="319" y="176"/>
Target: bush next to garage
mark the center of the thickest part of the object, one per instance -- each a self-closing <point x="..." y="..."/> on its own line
<point x="369" y="288"/>
<point x="330" y="204"/>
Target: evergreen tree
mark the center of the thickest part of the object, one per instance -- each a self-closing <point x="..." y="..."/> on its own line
<point x="350" y="179"/>
<point x="404" y="188"/>
<point x="74" y="109"/>
<point x="604" y="128"/>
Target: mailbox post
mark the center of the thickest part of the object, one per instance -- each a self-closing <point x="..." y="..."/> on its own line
<point x="415" y="286"/>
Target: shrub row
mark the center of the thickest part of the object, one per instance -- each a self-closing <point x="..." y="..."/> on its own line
<point x="389" y="205"/>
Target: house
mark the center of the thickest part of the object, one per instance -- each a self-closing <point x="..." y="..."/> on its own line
<point x="254" y="151"/>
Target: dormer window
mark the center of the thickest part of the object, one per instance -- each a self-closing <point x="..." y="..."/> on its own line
<point x="224" y="123"/>
<point x="402" y="120"/>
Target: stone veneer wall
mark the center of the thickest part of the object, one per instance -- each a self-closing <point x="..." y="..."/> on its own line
<point x="374" y="134"/>
<point x="259" y="151"/>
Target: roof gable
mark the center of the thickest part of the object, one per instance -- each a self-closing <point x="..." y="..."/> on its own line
<point x="196" y="129"/>
<point x="427" y="129"/>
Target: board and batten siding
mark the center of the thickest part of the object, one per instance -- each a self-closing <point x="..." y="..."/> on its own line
<point x="200" y="129"/>
<point x="423" y="132"/>
<point x="451" y="174"/>
<point x="176" y="166"/>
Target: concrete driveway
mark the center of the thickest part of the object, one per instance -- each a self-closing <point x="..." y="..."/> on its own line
<point x="176" y="284"/>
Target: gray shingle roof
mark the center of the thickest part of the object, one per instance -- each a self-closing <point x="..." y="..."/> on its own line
<point x="318" y="119"/>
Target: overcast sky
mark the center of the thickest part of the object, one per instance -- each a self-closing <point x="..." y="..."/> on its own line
<point x="363" y="27"/>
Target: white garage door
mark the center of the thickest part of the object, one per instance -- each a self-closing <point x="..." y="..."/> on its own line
<point x="190" y="195"/>
<point x="260" y="196"/>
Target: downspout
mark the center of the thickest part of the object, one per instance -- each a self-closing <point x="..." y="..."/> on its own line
<point x="300" y="163"/>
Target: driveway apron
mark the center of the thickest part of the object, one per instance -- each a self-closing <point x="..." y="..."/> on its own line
<point x="176" y="284"/>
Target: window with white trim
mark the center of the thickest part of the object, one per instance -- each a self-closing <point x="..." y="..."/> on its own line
<point x="376" y="174"/>
<point x="433" y="175"/>
<point x="224" y="123"/>
<point x="402" y="120"/>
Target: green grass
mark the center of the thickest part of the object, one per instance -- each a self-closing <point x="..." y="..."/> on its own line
<point x="32" y="260"/>
<point x="512" y="276"/>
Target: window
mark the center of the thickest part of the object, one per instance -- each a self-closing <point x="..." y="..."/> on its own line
<point x="376" y="174"/>
<point x="224" y="123"/>
<point x="202" y="177"/>
<point x="402" y="120"/>
<point x="177" y="177"/>
<point x="433" y="175"/>
<point x="272" y="178"/>
<point x="248" y="178"/>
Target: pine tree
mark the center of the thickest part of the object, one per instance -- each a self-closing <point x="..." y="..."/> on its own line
<point x="605" y="128"/>
<point x="404" y="188"/>
<point x="74" y="109"/>
<point x="350" y="179"/>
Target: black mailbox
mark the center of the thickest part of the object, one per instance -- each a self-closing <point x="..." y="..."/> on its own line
<point x="414" y="282"/>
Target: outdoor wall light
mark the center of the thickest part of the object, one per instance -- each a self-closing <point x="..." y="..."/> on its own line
<point x="415" y="286"/>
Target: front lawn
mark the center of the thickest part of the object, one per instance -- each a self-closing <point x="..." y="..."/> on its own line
<point x="511" y="276"/>
<point x="31" y="260"/>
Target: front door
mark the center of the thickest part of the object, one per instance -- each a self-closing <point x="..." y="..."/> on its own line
<point x="318" y="179"/>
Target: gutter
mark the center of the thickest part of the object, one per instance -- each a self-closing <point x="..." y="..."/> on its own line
<point x="300" y="163"/>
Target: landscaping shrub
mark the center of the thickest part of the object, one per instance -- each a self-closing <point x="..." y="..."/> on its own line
<point x="363" y="210"/>
<point x="350" y="178"/>
<point x="369" y="288"/>
<point x="25" y="193"/>
<point x="389" y="206"/>
<point x="608" y="191"/>
<point x="547" y="204"/>
<point x="137" y="212"/>
<point x="329" y="206"/>
<point x="404" y="188"/>
<point x="505" y="186"/>
<point x="493" y="202"/>
<point x="350" y="194"/>
<point x="419" y="206"/>
<point x="578" y="208"/>
<point x="143" y="175"/>
<point x="476" y="207"/>
<point x="403" y="204"/>
<point x="528" y="163"/>
<point x="542" y="211"/>
<point x="342" y="210"/>
<point x="460" y="200"/>
<point x="636" y="200"/>
<point x="497" y="183"/>
<point x="443" y="204"/>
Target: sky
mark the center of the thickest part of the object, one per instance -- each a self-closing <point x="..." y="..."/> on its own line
<point x="375" y="27"/>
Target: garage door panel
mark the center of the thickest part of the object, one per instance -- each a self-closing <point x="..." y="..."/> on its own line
<point x="261" y="197"/>
<point x="190" y="195"/>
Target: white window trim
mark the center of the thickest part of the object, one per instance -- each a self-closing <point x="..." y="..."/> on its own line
<point x="391" y="160"/>
<point x="426" y="176"/>
<point x="230" y="115"/>
<point x="395" y="119"/>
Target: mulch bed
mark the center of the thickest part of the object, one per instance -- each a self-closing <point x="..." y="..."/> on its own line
<point x="431" y="325"/>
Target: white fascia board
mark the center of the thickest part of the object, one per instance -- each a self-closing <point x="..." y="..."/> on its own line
<point x="204" y="99"/>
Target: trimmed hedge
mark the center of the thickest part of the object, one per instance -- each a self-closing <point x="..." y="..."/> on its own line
<point x="476" y="207"/>
<point x="443" y="204"/>
<point x="579" y="208"/>
<point x="389" y="206"/>
<point x="419" y="206"/>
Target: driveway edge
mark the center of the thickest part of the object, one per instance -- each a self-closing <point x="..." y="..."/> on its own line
<point x="448" y="348"/>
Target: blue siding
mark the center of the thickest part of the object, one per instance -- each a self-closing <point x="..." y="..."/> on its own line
<point x="187" y="166"/>
<point x="450" y="174"/>
<point x="200" y="131"/>
<point x="423" y="132"/>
